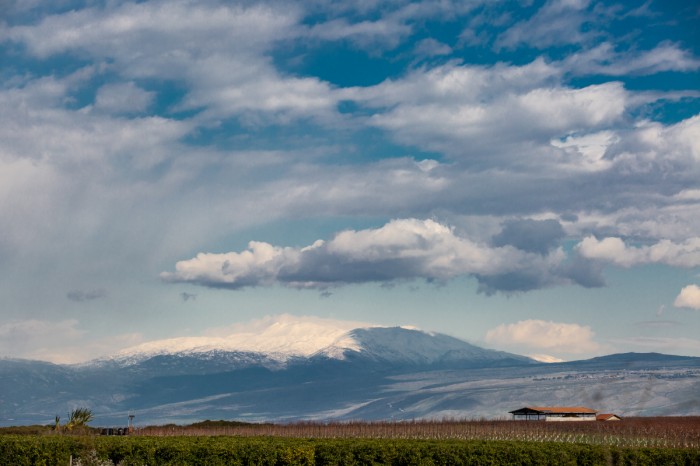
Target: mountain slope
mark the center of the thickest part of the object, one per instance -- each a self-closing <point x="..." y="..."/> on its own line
<point x="278" y="338"/>
<point x="404" y="346"/>
<point x="361" y="373"/>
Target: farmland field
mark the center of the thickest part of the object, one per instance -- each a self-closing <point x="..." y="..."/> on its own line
<point x="672" y="432"/>
<point x="637" y="441"/>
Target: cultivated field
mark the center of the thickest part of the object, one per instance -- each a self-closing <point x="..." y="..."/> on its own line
<point x="671" y="432"/>
<point x="634" y="441"/>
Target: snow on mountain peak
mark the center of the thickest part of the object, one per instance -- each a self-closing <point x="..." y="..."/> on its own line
<point x="280" y="337"/>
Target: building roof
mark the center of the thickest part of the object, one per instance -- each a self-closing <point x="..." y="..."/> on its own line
<point x="554" y="410"/>
<point x="607" y="416"/>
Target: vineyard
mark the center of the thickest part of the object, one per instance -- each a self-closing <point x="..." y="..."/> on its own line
<point x="669" y="432"/>
<point x="641" y="441"/>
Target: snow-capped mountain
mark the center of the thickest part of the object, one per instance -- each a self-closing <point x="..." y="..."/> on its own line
<point x="279" y="338"/>
<point x="274" y="342"/>
<point x="401" y="345"/>
<point x="285" y="368"/>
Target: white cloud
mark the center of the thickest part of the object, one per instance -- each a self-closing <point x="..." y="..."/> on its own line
<point x="672" y="218"/>
<point x="603" y="59"/>
<point x="555" y="337"/>
<point x="133" y="33"/>
<point x="688" y="297"/>
<point x="59" y="167"/>
<point x="217" y="49"/>
<point x="61" y="342"/>
<point x="228" y="87"/>
<point x="651" y="147"/>
<point x="430" y="48"/>
<point x="688" y="195"/>
<point x="614" y="250"/>
<point x="401" y="249"/>
<point x="557" y="22"/>
<point x="28" y="338"/>
<point x="575" y="109"/>
<point x="589" y="149"/>
<point x="454" y="83"/>
<point x="386" y="32"/>
<point x="38" y="126"/>
<point x="123" y="98"/>
<point x="471" y="111"/>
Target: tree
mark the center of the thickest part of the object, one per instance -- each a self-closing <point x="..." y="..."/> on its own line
<point x="79" y="417"/>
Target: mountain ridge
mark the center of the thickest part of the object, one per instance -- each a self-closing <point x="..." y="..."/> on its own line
<point x="389" y="344"/>
<point x="364" y="373"/>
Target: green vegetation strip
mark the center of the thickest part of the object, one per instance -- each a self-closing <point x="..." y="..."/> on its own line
<point x="18" y="450"/>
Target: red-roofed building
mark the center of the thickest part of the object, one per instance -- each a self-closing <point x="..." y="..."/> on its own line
<point x="608" y="417"/>
<point x="554" y="413"/>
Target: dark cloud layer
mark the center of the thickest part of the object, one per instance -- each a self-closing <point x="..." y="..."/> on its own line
<point x="82" y="295"/>
<point x="530" y="235"/>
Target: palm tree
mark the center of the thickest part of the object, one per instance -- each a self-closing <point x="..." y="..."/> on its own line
<point x="79" y="417"/>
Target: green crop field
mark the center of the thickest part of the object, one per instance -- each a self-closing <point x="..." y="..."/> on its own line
<point x="633" y="441"/>
<point x="19" y="450"/>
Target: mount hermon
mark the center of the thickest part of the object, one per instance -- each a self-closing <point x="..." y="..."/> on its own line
<point x="294" y="340"/>
<point x="297" y="369"/>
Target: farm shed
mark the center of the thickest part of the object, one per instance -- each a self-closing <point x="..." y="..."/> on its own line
<point x="554" y="413"/>
<point x="608" y="417"/>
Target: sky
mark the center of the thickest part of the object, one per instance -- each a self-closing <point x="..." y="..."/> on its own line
<point x="523" y="175"/>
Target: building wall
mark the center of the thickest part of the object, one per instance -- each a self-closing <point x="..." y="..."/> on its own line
<point x="570" y="419"/>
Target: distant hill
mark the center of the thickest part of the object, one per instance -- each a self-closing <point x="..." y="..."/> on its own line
<point x="362" y="373"/>
<point x="638" y="360"/>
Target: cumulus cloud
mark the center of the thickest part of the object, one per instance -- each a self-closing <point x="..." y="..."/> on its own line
<point x="539" y="335"/>
<point x="689" y="297"/>
<point x="615" y="251"/>
<point x="400" y="249"/>
<point x="403" y="249"/>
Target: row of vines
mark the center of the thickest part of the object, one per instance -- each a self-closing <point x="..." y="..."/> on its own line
<point x="19" y="450"/>
<point x="663" y="432"/>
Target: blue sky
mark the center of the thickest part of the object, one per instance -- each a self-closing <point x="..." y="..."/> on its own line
<point x="524" y="175"/>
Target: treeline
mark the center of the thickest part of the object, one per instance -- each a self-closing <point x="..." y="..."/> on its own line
<point x="17" y="450"/>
